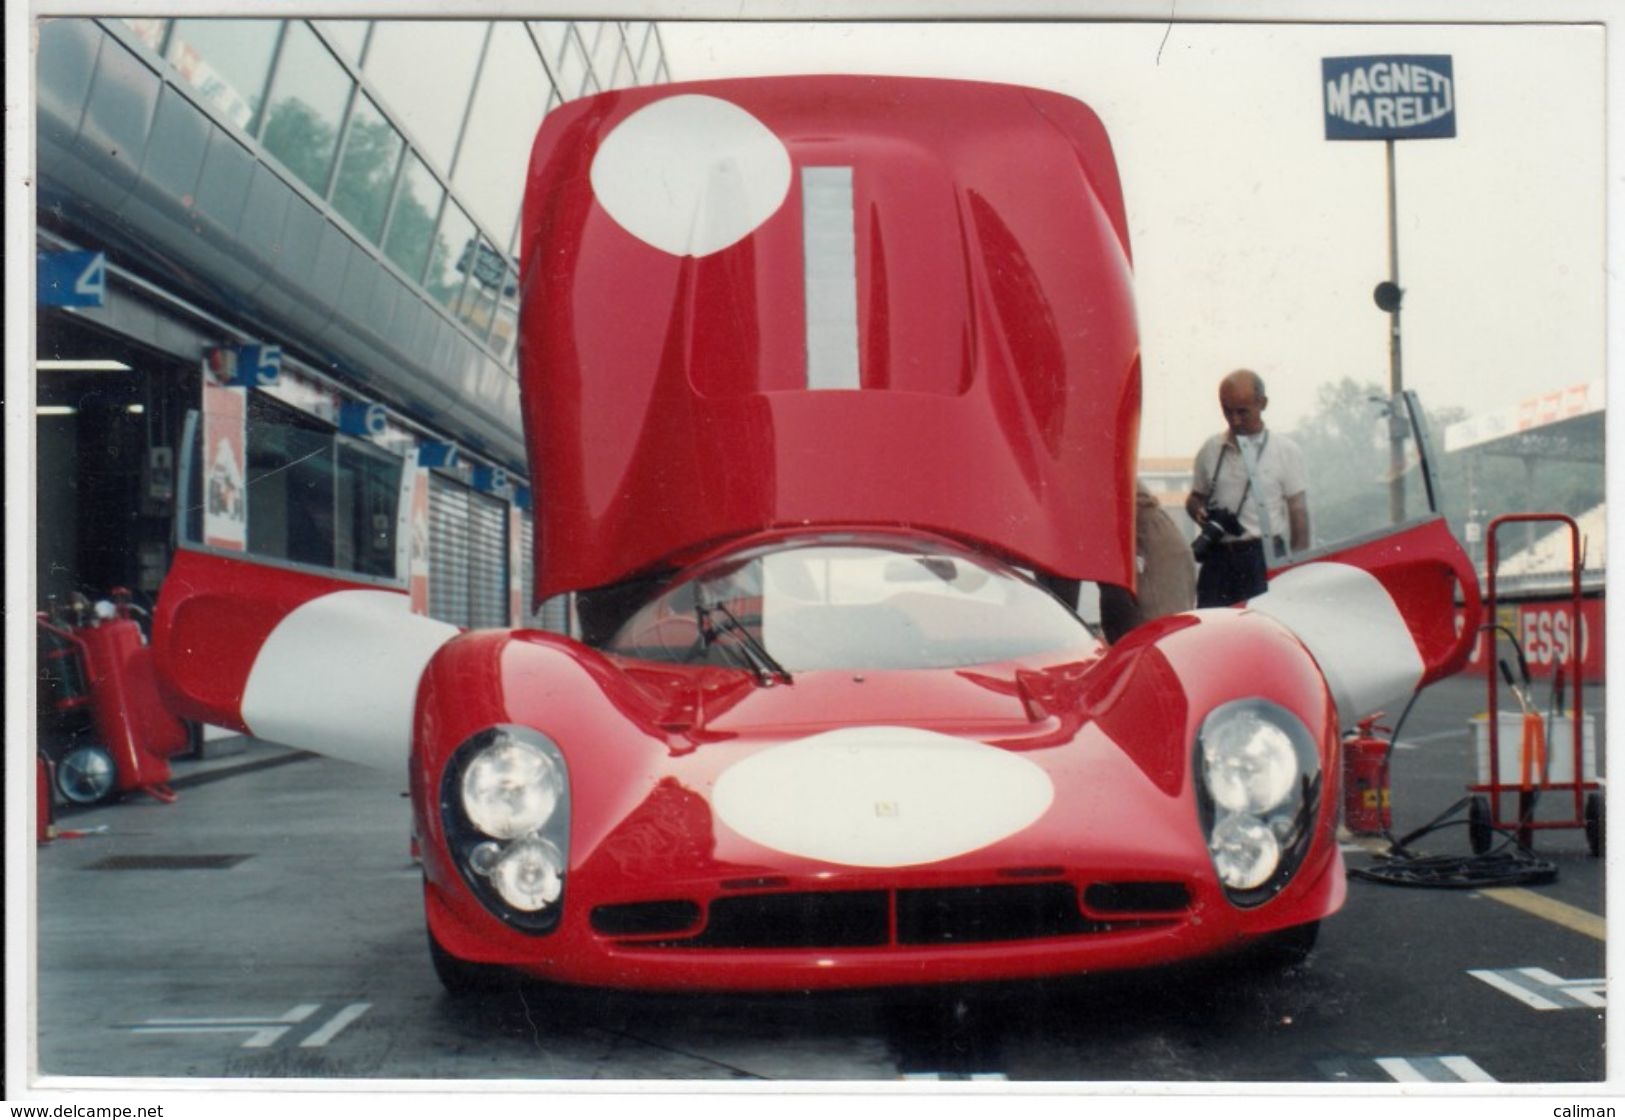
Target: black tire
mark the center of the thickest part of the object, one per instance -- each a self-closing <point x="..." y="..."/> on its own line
<point x="1283" y="950"/>
<point x="1596" y="832"/>
<point x="1480" y="829"/>
<point x="87" y="775"/>
<point x="468" y="978"/>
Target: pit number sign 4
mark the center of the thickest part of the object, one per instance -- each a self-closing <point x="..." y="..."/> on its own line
<point x="71" y="279"/>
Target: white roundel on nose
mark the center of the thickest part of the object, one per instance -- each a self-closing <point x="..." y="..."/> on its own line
<point x="691" y="174"/>
<point x="881" y="796"/>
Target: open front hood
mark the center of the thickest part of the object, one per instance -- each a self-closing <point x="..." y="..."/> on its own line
<point x="783" y="302"/>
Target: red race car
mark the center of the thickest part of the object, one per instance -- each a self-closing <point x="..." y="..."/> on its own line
<point x="823" y="377"/>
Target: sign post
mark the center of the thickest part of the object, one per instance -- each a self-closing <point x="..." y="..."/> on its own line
<point x="1388" y="98"/>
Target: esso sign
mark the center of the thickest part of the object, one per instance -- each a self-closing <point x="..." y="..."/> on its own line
<point x="1549" y="633"/>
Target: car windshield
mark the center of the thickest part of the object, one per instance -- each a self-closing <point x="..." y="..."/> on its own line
<point x="850" y="606"/>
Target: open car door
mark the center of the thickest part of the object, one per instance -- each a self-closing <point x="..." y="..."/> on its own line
<point x="283" y="627"/>
<point x="1379" y="610"/>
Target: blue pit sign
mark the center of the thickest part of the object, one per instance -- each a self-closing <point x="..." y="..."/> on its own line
<point x="1389" y="97"/>
<point x="76" y="278"/>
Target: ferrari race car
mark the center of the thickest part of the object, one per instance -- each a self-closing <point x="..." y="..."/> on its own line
<point x="822" y="378"/>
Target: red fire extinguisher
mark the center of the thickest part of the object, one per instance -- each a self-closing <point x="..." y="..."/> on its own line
<point x="1366" y="806"/>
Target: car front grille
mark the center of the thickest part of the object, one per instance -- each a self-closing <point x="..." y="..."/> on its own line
<point x="933" y="916"/>
<point x="795" y="920"/>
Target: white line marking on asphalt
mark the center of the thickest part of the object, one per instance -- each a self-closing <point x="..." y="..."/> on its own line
<point x="1588" y="992"/>
<point x="1465" y="1068"/>
<point x="1454" y="1067"/>
<point x="1516" y="991"/>
<point x="297" y="1014"/>
<point x="258" y="1037"/>
<point x="263" y="1030"/>
<point x="337" y="1023"/>
<point x="1544" y="990"/>
<point x="1400" y="1069"/>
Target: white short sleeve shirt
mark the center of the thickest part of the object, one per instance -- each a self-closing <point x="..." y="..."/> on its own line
<point x="1278" y="474"/>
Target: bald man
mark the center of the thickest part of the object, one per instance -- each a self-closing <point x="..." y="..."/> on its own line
<point x="1257" y="475"/>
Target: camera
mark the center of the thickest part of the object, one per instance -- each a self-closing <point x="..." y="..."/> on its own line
<point x="1220" y="521"/>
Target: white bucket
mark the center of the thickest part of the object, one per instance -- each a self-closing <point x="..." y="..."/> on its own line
<point x="1559" y="749"/>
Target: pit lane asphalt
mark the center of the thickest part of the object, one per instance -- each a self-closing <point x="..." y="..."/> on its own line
<point x="305" y="958"/>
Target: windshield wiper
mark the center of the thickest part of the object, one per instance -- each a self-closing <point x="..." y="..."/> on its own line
<point x="716" y="619"/>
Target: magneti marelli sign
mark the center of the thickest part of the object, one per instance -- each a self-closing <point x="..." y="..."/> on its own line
<point x="1389" y="97"/>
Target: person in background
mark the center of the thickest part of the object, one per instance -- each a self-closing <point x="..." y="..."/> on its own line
<point x="1165" y="580"/>
<point x="1248" y="490"/>
<point x="1167" y="574"/>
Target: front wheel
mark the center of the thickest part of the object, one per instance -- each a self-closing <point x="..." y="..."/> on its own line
<point x="1285" y="949"/>
<point x="1596" y="832"/>
<point x="467" y="978"/>
<point x="87" y="775"/>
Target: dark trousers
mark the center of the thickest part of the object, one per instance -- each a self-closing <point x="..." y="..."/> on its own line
<point x="1232" y="572"/>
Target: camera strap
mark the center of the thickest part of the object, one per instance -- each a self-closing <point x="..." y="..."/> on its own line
<point x="1263" y="507"/>
<point x="1219" y="466"/>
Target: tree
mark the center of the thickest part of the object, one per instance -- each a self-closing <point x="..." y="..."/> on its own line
<point x="301" y="140"/>
<point x="305" y="145"/>
<point x="1346" y="447"/>
<point x="371" y="152"/>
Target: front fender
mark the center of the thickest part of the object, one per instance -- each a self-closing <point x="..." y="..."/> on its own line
<point x="1153" y="690"/>
<point x="607" y="730"/>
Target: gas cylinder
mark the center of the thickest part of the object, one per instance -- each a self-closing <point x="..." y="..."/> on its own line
<point x="134" y="726"/>
<point x="1366" y="806"/>
<point x="42" y="799"/>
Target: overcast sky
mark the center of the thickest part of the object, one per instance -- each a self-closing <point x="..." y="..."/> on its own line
<point x="1257" y="242"/>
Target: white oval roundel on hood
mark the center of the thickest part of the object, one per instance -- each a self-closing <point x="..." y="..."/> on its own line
<point x="881" y="796"/>
<point x="691" y="174"/>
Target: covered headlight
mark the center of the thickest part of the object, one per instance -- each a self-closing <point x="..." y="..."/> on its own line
<point x="1258" y="792"/>
<point x="1245" y="852"/>
<point x="505" y="804"/>
<point x="529" y="875"/>
<point x="512" y="787"/>
<point x="1250" y="765"/>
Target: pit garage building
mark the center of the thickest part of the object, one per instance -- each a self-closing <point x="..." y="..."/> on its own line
<point x="323" y="213"/>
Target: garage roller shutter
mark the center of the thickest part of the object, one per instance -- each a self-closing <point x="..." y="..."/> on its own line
<point x="553" y="615"/>
<point x="468" y="555"/>
<point x="527" y="566"/>
<point x="487" y="561"/>
<point x="448" y="551"/>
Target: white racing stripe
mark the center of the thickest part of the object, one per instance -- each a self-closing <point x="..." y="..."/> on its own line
<point x="829" y="250"/>
<point x="339" y="676"/>
<point x="691" y="174"/>
<point x="881" y="796"/>
<point x="1354" y="630"/>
